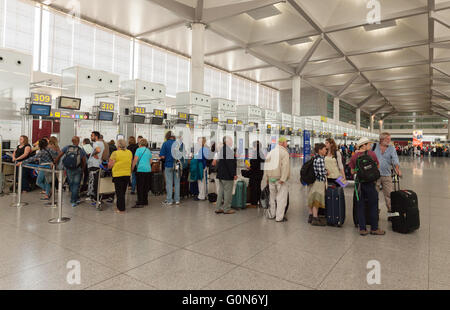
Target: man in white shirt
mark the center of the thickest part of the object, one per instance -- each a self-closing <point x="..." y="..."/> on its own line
<point x="94" y="162"/>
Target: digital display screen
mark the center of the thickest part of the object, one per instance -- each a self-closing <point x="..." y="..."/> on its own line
<point x="156" y="121"/>
<point x="138" y="119"/>
<point x="105" y="116"/>
<point x="40" y="110"/>
<point x="69" y="103"/>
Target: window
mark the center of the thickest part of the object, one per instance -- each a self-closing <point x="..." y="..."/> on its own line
<point x="347" y="113"/>
<point x="268" y="98"/>
<point x="122" y="57"/>
<point x="158" y="66"/>
<point x="83" y="45"/>
<point x="243" y="91"/>
<point x="18" y="25"/>
<point x="104" y="50"/>
<point x="330" y="107"/>
<point x="217" y="83"/>
<point x="2" y="21"/>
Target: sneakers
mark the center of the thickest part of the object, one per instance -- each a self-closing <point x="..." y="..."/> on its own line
<point x="74" y="204"/>
<point x="177" y="203"/>
<point x="167" y="203"/>
<point x="317" y="222"/>
<point x="363" y="232"/>
<point x="283" y="220"/>
<point x="378" y="232"/>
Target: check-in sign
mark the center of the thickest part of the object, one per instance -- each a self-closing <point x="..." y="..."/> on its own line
<point x="37" y="98"/>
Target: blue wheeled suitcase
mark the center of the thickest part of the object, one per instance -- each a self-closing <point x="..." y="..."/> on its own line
<point x="335" y="206"/>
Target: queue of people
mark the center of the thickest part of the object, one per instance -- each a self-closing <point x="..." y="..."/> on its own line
<point x="131" y="166"/>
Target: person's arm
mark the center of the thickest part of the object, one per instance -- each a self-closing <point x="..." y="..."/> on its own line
<point x="162" y="153"/>
<point x="396" y="163"/>
<point x="284" y="165"/>
<point x="340" y="165"/>
<point x="112" y="161"/>
<point x="59" y="157"/>
<point x="14" y="155"/>
<point x="96" y="151"/>
<point x="135" y="161"/>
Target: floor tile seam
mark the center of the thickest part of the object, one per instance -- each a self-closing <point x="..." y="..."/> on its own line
<point x="336" y="263"/>
<point x="214" y="234"/>
<point x="137" y="280"/>
<point x="210" y="256"/>
<point x="150" y="261"/>
<point x="220" y="277"/>
<point x="277" y="277"/>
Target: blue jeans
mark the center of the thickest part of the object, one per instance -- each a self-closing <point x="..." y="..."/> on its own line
<point x="172" y="175"/>
<point x="42" y="183"/>
<point x="74" y="179"/>
<point x="369" y="191"/>
<point x="133" y="181"/>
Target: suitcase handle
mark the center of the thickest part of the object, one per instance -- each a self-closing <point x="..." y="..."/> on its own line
<point x="395" y="179"/>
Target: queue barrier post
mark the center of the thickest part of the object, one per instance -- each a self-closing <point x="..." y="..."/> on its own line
<point x="52" y="204"/>
<point x="19" y="203"/>
<point x="60" y="219"/>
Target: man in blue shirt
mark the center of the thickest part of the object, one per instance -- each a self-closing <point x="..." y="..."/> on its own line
<point x="387" y="156"/>
<point x="202" y="156"/>
<point x="171" y="171"/>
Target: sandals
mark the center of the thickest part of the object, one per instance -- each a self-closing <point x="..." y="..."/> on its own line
<point x="363" y="232"/>
<point x="378" y="232"/>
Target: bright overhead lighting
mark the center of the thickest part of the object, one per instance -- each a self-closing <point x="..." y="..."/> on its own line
<point x="299" y="41"/>
<point x="264" y="12"/>
<point x="383" y="25"/>
<point x="47" y="2"/>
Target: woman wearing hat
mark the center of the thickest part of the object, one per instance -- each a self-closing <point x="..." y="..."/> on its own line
<point x="367" y="191"/>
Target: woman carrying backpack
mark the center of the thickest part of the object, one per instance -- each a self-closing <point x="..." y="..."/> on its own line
<point x="366" y="166"/>
<point x="316" y="196"/>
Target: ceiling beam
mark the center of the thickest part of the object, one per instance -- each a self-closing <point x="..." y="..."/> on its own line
<point x="161" y="29"/>
<point x="226" y="50"/>
<point x="308" y="56"/>
<point x="403" y="77"/>
<point x="386" y="18"/>
<point x="440" y="92"/>
<point x="387" y="48"/>
<point x="365" y="101"/>
<point x="184" y="11"/>
<point x="386" y="67"/>
<point x="252" y="68"/>
<point x="319" y="87"/>
<point x="356" y="89"/>
<point x="380" y="108"/>
<point x="440" y="71"/>
<point x="286" y="68"/>
<point x="439" y="19"/>
<point x="389" y="114"/>
<point x="199" y="9"/>
<point x="442" y="6"/>
<point x="441" y="114"/>
<point x="330" y="74"/>
<point x="445" y="45"/>
<point x="226" y="11"/>
<point x="347" y="85"/>
<point x="276" y="80"/>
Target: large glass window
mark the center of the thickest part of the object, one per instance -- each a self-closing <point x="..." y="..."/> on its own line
<point x="104" y="50"/>
<point x="18" y="25"/>
<point x="217" y="83"/>
<point x="347" y="113"/>
<point x="243" y="91"/>
<point x="268" y="98"/>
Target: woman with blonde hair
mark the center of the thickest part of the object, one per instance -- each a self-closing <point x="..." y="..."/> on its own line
<point x="143" y="164"/>
<point x="120" y="163"/>
<point x="333" y="162"/>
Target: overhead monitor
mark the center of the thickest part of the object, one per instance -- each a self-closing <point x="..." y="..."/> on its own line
<point x="105" y="116"/>
<point x="156" y="121"/>
<point x="138" y="119"/>
<point x="40" y="110"/>
<point x="69" y="103"/>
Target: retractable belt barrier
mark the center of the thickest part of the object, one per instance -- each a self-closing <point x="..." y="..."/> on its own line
<point x="14" y="176"/>
<point x="53" y="171"/>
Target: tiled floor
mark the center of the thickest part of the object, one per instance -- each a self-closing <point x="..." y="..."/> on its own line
<point x="190" y="247"/>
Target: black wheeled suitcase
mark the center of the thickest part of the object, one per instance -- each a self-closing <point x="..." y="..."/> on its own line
<point x="406" y="204"/>
<point x="355" y="211"/>
<point x="335" y="206"/>
<point x="157" y="183"/>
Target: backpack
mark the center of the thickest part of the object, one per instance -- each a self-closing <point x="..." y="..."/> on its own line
<point x="366" y="169"/>
<point x="72" y="158"/>
<point x="307" y="174"/>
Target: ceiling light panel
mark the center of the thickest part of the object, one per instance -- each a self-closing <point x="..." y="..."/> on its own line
<point x="264" y="12"/>
<point x="383" y="25"/>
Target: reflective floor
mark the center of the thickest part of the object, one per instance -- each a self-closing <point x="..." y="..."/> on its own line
<point x="190" y="247"/>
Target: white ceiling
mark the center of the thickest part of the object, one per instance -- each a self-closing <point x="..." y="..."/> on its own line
<point x="381" y="70"/>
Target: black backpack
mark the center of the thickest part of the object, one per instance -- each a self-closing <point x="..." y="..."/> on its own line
<point x="366" y="169"/>
<point x="72" y="158"/>
<point x="307" y="174"/>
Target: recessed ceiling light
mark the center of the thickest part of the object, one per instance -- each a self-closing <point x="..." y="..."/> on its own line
<point x="298" y="41"/>
<point x="264" y="12"/>
<point x="387" y="24"/>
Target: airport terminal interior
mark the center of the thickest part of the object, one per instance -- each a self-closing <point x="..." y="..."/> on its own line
<point x="267" y="71"/>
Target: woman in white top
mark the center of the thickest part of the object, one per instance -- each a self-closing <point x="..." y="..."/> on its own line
<point x="333" y="162"/>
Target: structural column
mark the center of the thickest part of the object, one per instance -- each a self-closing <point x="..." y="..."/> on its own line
<point x="198" y="58"/>
<point x="336" y="115"/>
<point x="448" y="126"/>
<point x="358" y="119"/>
<point x="372" y="120"/>
<point x="381" y="126"/>
<point x="296" y="95"/>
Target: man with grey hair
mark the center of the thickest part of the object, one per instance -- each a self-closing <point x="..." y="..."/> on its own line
<point x="226" y="174"/>
<point x="387" y="156"/>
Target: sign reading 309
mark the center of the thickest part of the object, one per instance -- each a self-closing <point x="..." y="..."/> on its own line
<point x="41" y="98"/>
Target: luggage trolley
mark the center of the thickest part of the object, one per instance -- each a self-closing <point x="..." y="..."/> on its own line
<point x="105" y="186"/>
